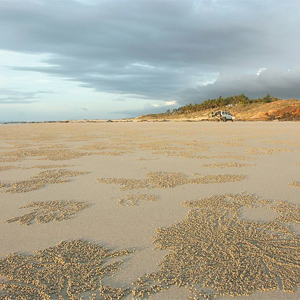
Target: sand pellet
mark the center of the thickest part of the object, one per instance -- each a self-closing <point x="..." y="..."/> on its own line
<point x="134" y="200"/>
<point x="40" y="180"/>
<point x="47" y="211"/>
<point x="5" y="168"/>
<point x="72" y="268"/>
<point x="214" y="249"/>
<point x="227" y="165"/>
<point x="256" y="151"/>
<point x="289" y="213"/>
<point x="295" y="184"/>
<point x="169" y="180"/>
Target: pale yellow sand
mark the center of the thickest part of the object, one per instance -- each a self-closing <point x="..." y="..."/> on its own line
<point x="151" y="169"/>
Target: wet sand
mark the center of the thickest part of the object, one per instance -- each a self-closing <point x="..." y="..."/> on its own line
<point x="165" y="210"/>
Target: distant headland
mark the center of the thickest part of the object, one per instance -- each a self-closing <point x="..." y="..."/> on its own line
<point x="241" y="107"/>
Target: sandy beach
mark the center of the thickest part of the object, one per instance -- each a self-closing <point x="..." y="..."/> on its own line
<point x="164" y="210"/>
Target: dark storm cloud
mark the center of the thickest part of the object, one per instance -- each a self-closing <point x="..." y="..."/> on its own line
<point x="279" y="82"/>
<point x="160" y="49"/>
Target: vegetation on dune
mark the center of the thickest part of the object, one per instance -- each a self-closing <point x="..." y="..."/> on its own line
<point x="220" y="102"/>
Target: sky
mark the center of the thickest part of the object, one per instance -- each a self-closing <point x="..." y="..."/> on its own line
<point x="108" y="59"/>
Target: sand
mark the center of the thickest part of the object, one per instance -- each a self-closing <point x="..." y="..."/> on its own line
<point x="164" y="210"/>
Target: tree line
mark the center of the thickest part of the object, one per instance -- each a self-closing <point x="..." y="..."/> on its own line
<point x="220" y="102"/>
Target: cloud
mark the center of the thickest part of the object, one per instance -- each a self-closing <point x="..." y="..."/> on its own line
<point x="155" y="49"/>
<point x="8" y="100"/>
<point x="19" y="97"/>
<point x="119" y="100"/>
